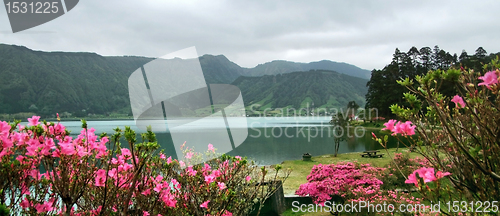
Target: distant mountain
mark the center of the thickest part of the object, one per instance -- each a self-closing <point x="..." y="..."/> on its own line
<point x="87" y="83"/>
<point x="50" y="82"/>
<point x="218" y="69"/>
<point x="281" y="67"/>
<point x="326" y="89"/>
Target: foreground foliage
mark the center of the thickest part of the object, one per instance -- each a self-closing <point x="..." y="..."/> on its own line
<point x="45" y="172"/>
<point x="458" y="135"/>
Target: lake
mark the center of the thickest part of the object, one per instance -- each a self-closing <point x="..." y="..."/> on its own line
<point x="269" y="140"/>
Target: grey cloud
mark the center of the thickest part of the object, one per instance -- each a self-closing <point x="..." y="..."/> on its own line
<point x="364" y="33"/>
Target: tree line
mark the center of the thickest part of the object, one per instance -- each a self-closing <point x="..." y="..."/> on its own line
<point x="383" y="89"/>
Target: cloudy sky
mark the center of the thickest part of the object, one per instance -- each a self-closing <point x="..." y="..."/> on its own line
<point x="363" y="33"/>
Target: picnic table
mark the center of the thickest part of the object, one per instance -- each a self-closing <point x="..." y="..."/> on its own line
<point x="371" y="154"/>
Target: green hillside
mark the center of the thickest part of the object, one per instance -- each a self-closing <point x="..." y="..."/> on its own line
<point x="281" y="67"/>
<point x="83" y="84"/>
<point x="50" y="82"/>
<point x="326" y="89"/>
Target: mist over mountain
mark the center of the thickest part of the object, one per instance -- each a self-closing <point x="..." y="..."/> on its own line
<point x="81" y="83"/>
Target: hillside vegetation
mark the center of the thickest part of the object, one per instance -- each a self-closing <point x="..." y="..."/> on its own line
<point x="324" y="89"/>
<point x="82" y="84"/>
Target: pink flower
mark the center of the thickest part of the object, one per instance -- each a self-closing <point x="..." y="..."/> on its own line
<point x="205" y="204"/>
<point x="169" y="160"/>
<point x="404" y="129"/>
<point x="126" y="153"/>
<point x="182" y="164"/>
<point x="4" y="129"/>
<point x="459" y="102"/>
<point x="189" y="155"/>
<point x="226" y="213"/>
<point x="407" y="129"/>
<point x="191" y="171"/>
<point x="427" y="174"/>
<point x="209" y="179"/>
<point x="238" y="157"/>
<point x="248" y="178"/>
<point x="221" y="185"/>
<point x="145" y="213"/>
<point x="162" y="156"/>
<point x="211" y="148"/>
<point x="146" y="192"/>
<point x="389" y="125"/>
<point x="25" y="203"/>
<point x="33" y="121"/>
<point x="100" y="179"/>
<point x="440" y="174"/>
<point x="489" y="78"/>
<point x="67" y="148"/>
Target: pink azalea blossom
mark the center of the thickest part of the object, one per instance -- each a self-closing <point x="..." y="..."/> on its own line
<point x="427" y="174"/>
<point x="169" y="160"/>
<point x="221" y="185"/>
<point x="407" y="129"/>
<point x="226" y="213"/>
<point x="100" y="179"/>
<point x="67" y="148"/>
<point x="459" y="102"/>
<point x="389" y="125"/>
<point x="209" y="179"/>
<point x="190" y="171"/>
<point x="126" y="153"/>
<point x="189" y="155"/>
<point x="489" y="78"/>
<point x="146" y="192"/>
<point x="248" y="178"/>
<point x="440" y="174"/>
<point x="4" y="129"/>
<point x="33" y="121"/>
<point x="205" y="204"/>
<point x="145" y="213"/>
<point x="162" y="156"/>
<point x="211" y="148"/>
<point x="25" y="203"/>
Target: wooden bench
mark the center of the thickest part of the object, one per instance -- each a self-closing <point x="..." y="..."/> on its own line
<point x="371" y="154"/>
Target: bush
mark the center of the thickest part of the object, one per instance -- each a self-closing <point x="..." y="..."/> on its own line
<point x="45" y="171"/>
<point x="397" y="171"/>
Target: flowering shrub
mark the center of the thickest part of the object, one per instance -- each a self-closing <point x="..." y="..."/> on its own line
<point x="353" y="182"/>
<point x="346" y="179"/>
<point x="458" y="135"/>
<point x="396" y="173"/>
<point x="46" y="172"/>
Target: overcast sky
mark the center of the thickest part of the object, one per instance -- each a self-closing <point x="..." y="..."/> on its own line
<point x="363" y="33"/>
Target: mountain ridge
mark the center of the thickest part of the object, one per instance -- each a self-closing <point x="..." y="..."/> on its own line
<point x="85" y="83"/>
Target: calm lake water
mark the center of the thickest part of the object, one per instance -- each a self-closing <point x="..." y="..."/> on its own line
<point x="270" y="140"/>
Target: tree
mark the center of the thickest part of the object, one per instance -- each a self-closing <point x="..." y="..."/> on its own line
<point x="463" y="56"/>
<point x="480" y="53"/>
<point x="339" y="123"/>
<point x="352" y="108"/>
